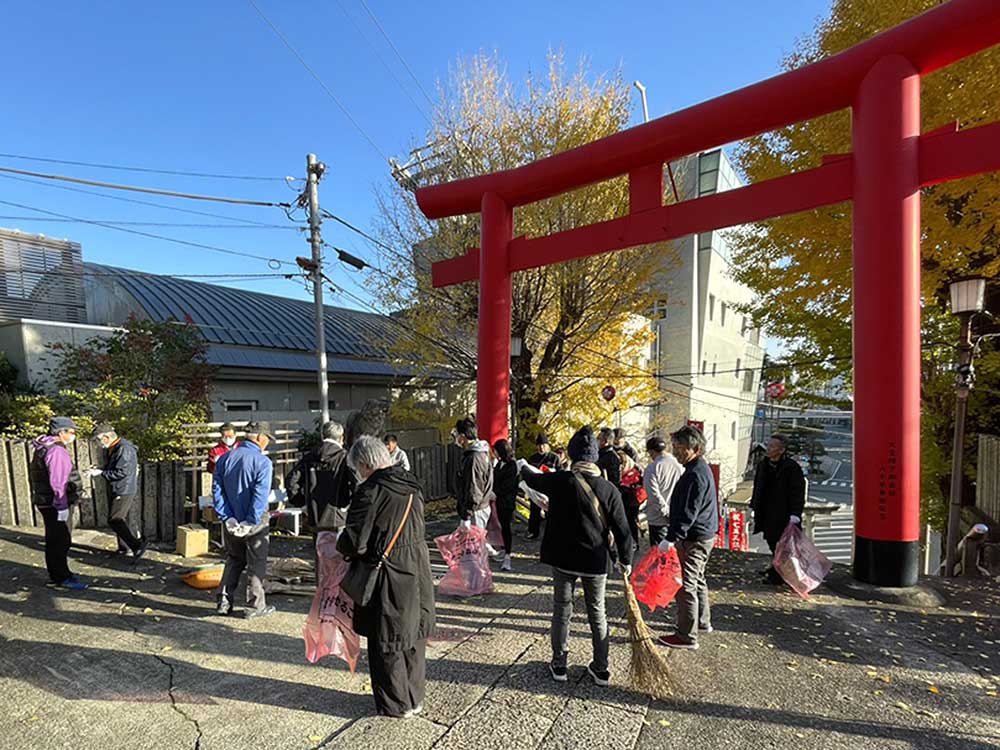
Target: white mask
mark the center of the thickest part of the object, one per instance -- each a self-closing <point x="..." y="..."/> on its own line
<point x="229" y="441"/>
<point x="70" y="439"/>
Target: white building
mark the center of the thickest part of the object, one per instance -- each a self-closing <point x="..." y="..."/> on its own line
<point x="709" y="354"/>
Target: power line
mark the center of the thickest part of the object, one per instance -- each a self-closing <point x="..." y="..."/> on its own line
<point x="156" y="223"/>
<point x="136" y="201"/>
<point x="363" y="233"/>
<point x="152" y="191"/>
<point x="141" y="169"/>
<point x="142" y="274"/>
<point x="213" y="248"/>
<point x="398" y="54"/>
<point x="320" y="81"/>
<point x="385" y="65"/>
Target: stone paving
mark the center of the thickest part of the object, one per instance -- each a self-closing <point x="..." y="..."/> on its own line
<point x="139" y="661"/>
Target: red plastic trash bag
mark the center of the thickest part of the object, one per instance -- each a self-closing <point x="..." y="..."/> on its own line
<point x="329" y="630"/>
<point x="799" y="562"/>
<point x="464" y="550"/>
<point x="657" y="578"/>
<point x="494" y="534"/>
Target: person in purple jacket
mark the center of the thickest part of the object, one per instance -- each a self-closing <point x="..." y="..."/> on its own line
<point x="55" y="486"/>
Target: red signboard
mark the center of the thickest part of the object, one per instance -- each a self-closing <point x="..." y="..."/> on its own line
<point x="775" y="390"/>
<point x="738" y="531"/>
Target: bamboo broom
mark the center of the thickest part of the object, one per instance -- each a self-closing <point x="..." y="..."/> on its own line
<point x="649" y="672"/>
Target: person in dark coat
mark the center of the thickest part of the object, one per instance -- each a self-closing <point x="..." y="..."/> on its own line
<point x="693" y="527"/>
<point x="779" y="496"/>
<point x="400" y="615"/>
<point x="546" y="460"/>
<point x="584" y="509"/>
<point x="474" y="488"/>
<point x="607" y="459"/>
<point x="505" y="483"/>
<point x="121" y="470"/>
<point x="322" y="482"/>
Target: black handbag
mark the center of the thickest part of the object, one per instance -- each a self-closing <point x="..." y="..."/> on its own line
<point x="362" y="576"/>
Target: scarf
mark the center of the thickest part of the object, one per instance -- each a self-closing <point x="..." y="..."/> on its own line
<point x="586" y="467"/>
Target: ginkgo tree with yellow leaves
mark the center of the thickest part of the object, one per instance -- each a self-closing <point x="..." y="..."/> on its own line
<point x="576" y="320"/>
<point x="800" y="265"/>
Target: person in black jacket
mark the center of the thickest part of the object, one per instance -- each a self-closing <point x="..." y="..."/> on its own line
<point x="607" y="459"/>
<point x="505" y="482"/>
<point x="121" y="470"/>
<point x="693" y="526"/>
<point x="400" y="615"/>
<point x="543" y="457"/>
<point x="474" y="487"/>
<point x="322" y="482"/>
<point x="584" y="509"/>
<point x="779" y="496"/>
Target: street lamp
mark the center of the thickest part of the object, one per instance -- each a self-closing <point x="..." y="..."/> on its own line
<point x="967" y="298"/>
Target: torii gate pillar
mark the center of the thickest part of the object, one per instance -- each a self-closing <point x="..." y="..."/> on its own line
<point x="886" y="132"/>
<point x="492" y="381"/>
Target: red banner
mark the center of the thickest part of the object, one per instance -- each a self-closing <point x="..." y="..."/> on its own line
<point x="738" y="531"/>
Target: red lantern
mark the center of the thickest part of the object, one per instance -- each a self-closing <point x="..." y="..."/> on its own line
<point x="775" y="390"/>
<point x="609" y="392"/>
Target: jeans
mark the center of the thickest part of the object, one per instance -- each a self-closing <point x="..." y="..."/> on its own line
<point x="693" y="611"/>
<point x="564" y="585"/>
<point x="242" y="552"/>
<point x="118" y="521"/>
<point x="58" y="537"/>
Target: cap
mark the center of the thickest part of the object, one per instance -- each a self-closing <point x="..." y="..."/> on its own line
<point x="542" y="439"/>
<point x="260" y="428"/>
<point x="57" y="424"/>
<point x="103" y="429"/>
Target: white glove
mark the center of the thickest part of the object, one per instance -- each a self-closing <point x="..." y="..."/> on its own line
<point x="626" y="570"/>
<point x="231" y="524"/>
<point x="467" y="524"/>
<point x="91" y="473"/>
<point x="521" y="462"/>
<point x="243" y="529"/>
<point x="63" y="516"/>
<point x="794" y="519"/>
<point x="664" y="546"/>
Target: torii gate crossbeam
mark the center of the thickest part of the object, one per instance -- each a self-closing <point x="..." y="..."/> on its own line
<point x="880" y="80"/>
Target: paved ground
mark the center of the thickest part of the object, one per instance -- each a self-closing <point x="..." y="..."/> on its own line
<point x="139" y="662"/>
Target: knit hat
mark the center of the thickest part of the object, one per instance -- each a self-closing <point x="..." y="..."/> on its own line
<point x="542" y="439"/>
<point x="583" y="445"/>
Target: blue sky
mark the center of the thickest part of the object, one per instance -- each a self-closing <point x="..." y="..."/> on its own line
<point x="208" y="87"/>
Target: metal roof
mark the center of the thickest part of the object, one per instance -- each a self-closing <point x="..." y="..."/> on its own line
<point x="234" y="318"/>
<point x="233" y="356"/>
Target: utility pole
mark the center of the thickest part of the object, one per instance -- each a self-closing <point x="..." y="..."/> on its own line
<point x="314" y="173"/>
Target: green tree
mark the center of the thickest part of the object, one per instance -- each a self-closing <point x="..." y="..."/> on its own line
<point x="575" y="318"/>
<point x="800" y="265"/>
<point x="147" y="380"/>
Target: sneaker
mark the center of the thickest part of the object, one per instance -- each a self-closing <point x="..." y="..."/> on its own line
<point x="224" y="610"/>
<point x="413" y="712"/>
<point x="72" y="584"/>
<point x="253" y="614"/>
<point x="600" y="678"/>
<point x="506" y="564"/>
<point x="559" y="672"/>
<point x="675" y="641"/>
<point x="709" y="629"/>
<point x="137" y="555"/>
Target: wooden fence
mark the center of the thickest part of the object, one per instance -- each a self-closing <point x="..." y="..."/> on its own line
<point x="988" y="476"/>
<point x="164" y="488"/>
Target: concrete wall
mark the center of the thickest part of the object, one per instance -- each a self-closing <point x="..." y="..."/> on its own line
<point x="27" y="346"/>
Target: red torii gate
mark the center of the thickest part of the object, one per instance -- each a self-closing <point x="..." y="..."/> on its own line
<point x="880" y="80"/>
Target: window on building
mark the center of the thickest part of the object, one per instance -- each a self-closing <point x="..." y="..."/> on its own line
<point x="738" y="362"/>
<point x="660" y="309"/>
<point x="704" y="367"/>
<point x="755" y="337"/>
<point x="708" y="173"/>
<point x="314" y="405"/>
<point x="714" y="366"/>
<point x="732" y="431"/>
<point x="705" y="241"/>
<point x="239" y="405"/>
<point x="722" y="314"/>
<point x="743" y="325"/>
<point x="747" y="381"/>
<point x="715" y="436"/>
<point x="711" y="307"/>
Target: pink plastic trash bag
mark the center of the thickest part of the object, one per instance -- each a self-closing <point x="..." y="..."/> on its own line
<point x="799" y="562"/>
<point x="494" y="534"/>
<point x="657" y="578"/>
<point x="464" y="550"/>
<point x="329" y="630"/>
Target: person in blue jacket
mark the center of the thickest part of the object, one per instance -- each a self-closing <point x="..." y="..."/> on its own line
<point x="241" y="485"/>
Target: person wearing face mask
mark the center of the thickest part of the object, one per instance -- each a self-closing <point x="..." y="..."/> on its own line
<point x="227" y="441"/>
<point x="240" y="488"/>
<point x="385" y="522"/>
<point x="55" y="486"/>
<point x="121" y="470"/>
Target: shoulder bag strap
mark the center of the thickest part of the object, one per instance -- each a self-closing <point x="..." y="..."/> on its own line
<point x="395" y="537"/>
<point x="593" y="498"/>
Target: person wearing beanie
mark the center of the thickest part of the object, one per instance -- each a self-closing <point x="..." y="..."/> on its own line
<point x="586" y="532"/>
<point x="55" y="487"/>
<point x="545" y="460"/>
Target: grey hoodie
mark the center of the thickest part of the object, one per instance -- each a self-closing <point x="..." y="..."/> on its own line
<point x="474" y="489"/>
